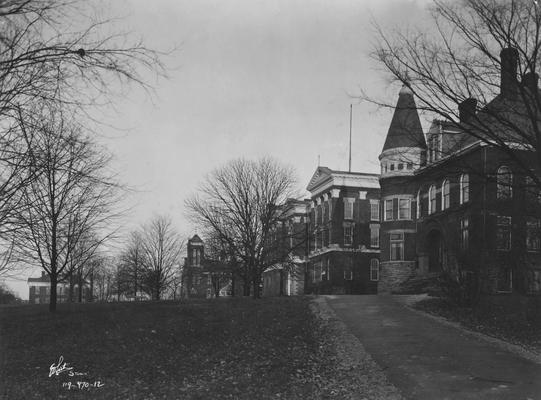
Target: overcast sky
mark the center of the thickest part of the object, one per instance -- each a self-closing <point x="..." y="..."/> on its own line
<point x="250" y="78"/>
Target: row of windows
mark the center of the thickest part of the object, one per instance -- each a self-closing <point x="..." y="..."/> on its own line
<point x="322" y="238"/>
<point x="320" y="273"/>
<point x="397" y="167"/>
<point x="445" y="192"/>
<point x="324" y="212"/>
<point x="404" y="209"/>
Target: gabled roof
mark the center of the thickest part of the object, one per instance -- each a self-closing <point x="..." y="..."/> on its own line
<point x="405" y="129"/>
<point x="196" y="239"/>
<point x="325" y="178"/>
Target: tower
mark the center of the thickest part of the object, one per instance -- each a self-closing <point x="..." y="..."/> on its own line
<point x="403" y="153"/>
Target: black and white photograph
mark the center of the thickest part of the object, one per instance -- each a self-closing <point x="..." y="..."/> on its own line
<point x="270" y="199"/>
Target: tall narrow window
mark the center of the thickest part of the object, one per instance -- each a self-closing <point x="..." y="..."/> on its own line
<point x="531" y="189"/>
<point x="374" y="269"/>
<point x="505" y="280"/>
<point x="464" y="233"/>
<point x="445" y="195"/>
<point x="397" y="246"/>
<point x="432" y="199"/>
<point x="348" y="208"/>
<point x="389" y="210"/>
<point x="404" y="209"/>
<point x="464" y="188"/>
<point x="374" y="210"/>
<point x="504" y="184"/>
<point x="503" y="233"/>
<point x="533" y="238"/>
<point x="374" y="236"/>
<point x="348" y="235"/>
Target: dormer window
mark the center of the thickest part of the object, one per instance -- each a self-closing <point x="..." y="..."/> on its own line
<point x="434" y="147"/>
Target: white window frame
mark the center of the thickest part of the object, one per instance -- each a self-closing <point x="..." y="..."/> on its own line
<point x="445" y="194"/>
<point x="346" y="235"/>
<point x="432" y="198"/>
<point x="408" y="209"/>
<point x="388" y="201"/>
<point x="374" y="210"/>
<point x="397" y="241"/>
<point x="464" y="188"/>
<point x="348" y="207"/>
<point x="374" y="243"/>
<point x="374" y="267"/>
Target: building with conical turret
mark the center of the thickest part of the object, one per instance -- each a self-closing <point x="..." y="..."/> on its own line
<point x="404" y="152"/>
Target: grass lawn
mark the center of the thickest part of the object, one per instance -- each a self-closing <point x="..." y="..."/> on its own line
<point x="206" y="349"/>
<point x="491" y="320"/>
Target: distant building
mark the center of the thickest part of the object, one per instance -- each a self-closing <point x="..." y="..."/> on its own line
<point x="201" y="277"/>
<point x="287" y="278"/>
<point x="39" y="290"/>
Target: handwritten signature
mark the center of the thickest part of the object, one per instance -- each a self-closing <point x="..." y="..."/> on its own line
<point x="61" y="366"/>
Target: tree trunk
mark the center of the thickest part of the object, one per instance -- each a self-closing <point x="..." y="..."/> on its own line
<point x="257" y="290"/>
<point x="245" y="287"/>
<point x="91" y="294"/>
<point x="70" y="290"/>
<point x="232" y="285"/>
<point x="52" y="298"/>
<point x="80" y="283"/>
<point x="281" y="282"/>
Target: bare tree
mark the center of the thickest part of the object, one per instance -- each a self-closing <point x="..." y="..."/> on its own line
<point x="132" y="262"/>
<point x="104" y="279"/>
<point x="70" y="194"/>
<point x="464" y="70"/>
<point x="240" y="204"/>
<point x="63" y="55"/>
<point x="63" y="52"/>
<point x="162" y="247"/>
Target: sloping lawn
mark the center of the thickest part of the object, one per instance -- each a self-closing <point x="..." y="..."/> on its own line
<point x="207" y="349"/>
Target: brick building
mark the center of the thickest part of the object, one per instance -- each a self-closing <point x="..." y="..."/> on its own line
<point x="39" y="290"/>
<point x="288" y="278"/>
<point x="457" y="203"/>
<point x="344" y="232"/>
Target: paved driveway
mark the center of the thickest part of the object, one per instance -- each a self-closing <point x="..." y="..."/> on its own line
<point x="429" y="360"/>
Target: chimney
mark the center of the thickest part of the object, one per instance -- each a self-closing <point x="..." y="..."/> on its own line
<point x="529" y="80"/>
<point x="466" y="109"/>
<point x="509" y="62"/>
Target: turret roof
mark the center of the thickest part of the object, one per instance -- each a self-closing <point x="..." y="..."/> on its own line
<point x="405" y="129"/>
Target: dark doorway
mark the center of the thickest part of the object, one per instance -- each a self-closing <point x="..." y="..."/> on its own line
<point x="435" y="249"/>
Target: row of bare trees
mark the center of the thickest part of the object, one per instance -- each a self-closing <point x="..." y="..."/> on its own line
<point x="58" y="64"/>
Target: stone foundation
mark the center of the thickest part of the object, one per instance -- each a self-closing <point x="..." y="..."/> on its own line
<point x="393" y="273"/>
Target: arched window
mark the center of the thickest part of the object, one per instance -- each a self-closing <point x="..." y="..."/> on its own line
<point x="504" y="183"/>
<point x="432" y="199"/>
<point x="374" y="269"/>
<point x="464" y="188"/>
<point x="445" y="194"/>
